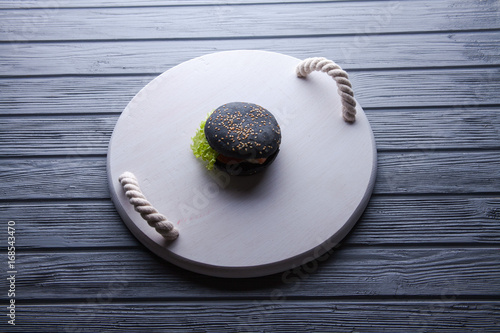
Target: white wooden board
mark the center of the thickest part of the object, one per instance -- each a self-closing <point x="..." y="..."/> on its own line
<point x="295" y="211"/>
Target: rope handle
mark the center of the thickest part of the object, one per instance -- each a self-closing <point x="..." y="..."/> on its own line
<point x="143" y="206"/>
<point x="344" y="86"/>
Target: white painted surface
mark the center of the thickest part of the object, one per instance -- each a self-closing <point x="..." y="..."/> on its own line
<point x="299" y="208"/>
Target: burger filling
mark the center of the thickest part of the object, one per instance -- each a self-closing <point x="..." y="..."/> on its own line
<point x="226" y="160"/>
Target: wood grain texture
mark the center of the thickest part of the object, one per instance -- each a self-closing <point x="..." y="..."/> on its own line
<point x="456" y="88"/>
<point x="48" y="135"/>
<point x="82" y="135"/>
<point x="387" y="220"/>
<point x="53" y="178"/>
<point x="421" y="220"/>
<point x="426" y="73"/>
<point x="436" y="172"/>
<point x="351" y="52"/>
<point x="275" y="19"/>
<point x="271" y="315"/>
<point x="347" y="272"/>
<point x="430" y="129"/>
<point x="52" y="4"/>
<point x="410" y="88"/>
<point x="398" y="173"/>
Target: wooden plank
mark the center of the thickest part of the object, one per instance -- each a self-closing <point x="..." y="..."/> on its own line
<point x="431" y="129"/>
<point x="351" y="52"/>
<point x="410" y="88"/>
<point x="89" y="224"/>
<point x="316" y="18"/>
<point x="398" y="173"/>
<point x="347" y="272"/>
<point x="387" y="220"/>
<point x="270" y="315"/>
<point x="438" y="172"/>
<point x="64" y="135"/>
<point x="56" y="4"/>
<point x="459" y="127"/>
<point x="69" y="94"/>
<point x="53" y="178"/>
<point x="427" y="220"/>
<point x="458" y="88"/>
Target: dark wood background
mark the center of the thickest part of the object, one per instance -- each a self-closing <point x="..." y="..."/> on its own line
<point x="423" y="258"/>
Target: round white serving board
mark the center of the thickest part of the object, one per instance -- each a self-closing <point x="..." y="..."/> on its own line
<point x="298" y="209"/>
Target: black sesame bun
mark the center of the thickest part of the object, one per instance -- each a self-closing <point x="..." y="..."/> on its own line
<point x="246" y="136"/>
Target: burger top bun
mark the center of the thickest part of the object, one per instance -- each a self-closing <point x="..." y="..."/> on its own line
<point x="243" y="131"/>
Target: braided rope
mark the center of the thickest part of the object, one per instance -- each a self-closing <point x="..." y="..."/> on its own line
<point x="142" y="206"/>
<point x="344" y="86"/>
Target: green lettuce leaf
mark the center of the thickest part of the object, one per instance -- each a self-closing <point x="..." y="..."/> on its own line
<point x="201" y="148"/>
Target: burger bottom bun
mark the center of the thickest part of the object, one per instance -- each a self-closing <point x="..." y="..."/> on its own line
<point x="245" y="168"/>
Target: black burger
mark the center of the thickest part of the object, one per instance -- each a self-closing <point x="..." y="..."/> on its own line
<point x="239" y="138"/>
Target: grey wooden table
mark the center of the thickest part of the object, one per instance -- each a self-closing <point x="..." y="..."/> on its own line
<point x="423" y="258"/>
